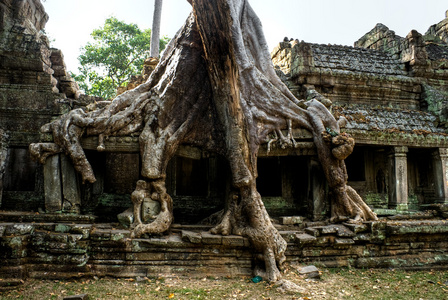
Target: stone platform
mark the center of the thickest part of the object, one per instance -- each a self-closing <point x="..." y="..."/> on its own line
<point x="57" y="250"/>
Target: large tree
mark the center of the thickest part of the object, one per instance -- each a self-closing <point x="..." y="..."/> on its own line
<point x="117" y="52"/>
<point x="215" y="87"/>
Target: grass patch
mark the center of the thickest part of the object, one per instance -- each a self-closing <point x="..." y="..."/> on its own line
<point x="334" y="284"/>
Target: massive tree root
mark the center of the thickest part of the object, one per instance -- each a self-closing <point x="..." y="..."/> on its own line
<point x="215" y="87"/>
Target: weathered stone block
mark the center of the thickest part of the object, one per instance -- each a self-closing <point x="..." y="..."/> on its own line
<point x="118" y="235"/>
<point x="100" y="235"/>
<point x="344" y="231"/>
<point x="356" y="227"/>
<point x="312" y="231"/>
<point x="378" y="230"/>
<point x="213" y="239"/>
<point x="84" y="230"/>
<point x="309" y="272"/>
<point x="288" y="236"/>
<point x="145" y="256"/>
<point x="330" y="229"/>
<point x="423" y="227"/>
<point x="341" y="241"/>
<point x="57" y="237"/>
<point x="74" y="238"/>
<point x="172" y="241"/>
<point x="324" y="240"/>
<point x="192" y="237"/>
<point x="303" y="238"/>
<point x="64" y="228"/>
<point x="291" y="220"/>
<point x="233" y="240"/>
<point x="312" y="252"/>
<point x="19" y="229"/>
<point x="362" y="237"/>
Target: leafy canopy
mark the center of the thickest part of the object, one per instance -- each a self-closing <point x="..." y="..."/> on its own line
<point x="117" y="52"/>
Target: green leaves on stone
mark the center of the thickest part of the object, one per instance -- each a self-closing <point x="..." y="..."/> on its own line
<point x="116" y="52"/>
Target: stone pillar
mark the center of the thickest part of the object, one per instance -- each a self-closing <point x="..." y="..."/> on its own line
<point x="317" y="189"/>
<point x="52" y="184"/>
<point x="70" y="188"/>
<point x="3" y="154"/>
<point x="398" y="179"/>
<point x="440" y="163"/>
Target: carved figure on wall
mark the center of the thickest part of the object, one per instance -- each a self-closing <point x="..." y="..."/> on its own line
<point x="215" y="88"/>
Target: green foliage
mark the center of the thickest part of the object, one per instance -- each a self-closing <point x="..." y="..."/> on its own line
<point x="117" y="52"/>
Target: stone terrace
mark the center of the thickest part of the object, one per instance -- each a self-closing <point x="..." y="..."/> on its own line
<point x="56" y="250"/>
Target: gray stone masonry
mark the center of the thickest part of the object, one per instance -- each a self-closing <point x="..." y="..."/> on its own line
<point x="68" y="250"/>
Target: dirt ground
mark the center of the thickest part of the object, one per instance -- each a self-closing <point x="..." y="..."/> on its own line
<point x="333" y="284"/>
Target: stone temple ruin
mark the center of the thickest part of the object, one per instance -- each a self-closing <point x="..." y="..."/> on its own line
<point x="393" y="92"/>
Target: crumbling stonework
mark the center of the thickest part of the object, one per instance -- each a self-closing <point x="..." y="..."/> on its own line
<point x="149" y="66"/>
<point x="440" y="30"/>
<point x="392" y="96"/>
<point x="392" y="92"/>
<point x="68" y="250"/>
<point x="32" y="78"/>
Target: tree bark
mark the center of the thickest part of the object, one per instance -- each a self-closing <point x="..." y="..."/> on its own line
<point x="216" y="88"/>
<point x="155" y="30"/>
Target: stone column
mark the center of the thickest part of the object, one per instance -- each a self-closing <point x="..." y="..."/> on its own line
<point x="3" y="155"/>
<point x="398" y="179"/>
<point x="52" y="184"/>
<point x="440" y="163"/>
<point x="317" y="189"/>
<point x="70" y="187"/>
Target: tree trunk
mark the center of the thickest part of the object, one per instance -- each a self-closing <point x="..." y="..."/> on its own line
<point x="155" y="31"/>
<point x="216" y="88"/>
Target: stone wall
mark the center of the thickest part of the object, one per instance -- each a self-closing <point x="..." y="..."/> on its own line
<point x="381" y="38"/>
<point x="423" y="55"/>
<point x="68" y="250"/>
<point x="393" y="93"/>
<point x="440" y="29"/>
<point x="33" y="79"/>
<point x="346" y="75"/>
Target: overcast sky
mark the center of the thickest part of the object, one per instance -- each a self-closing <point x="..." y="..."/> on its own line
<point x="316" y="21"/>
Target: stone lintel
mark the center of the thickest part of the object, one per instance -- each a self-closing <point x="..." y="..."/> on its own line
<point x="128" y="144"/>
